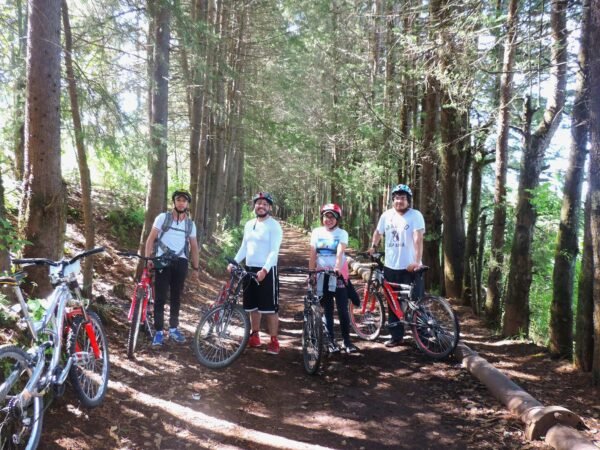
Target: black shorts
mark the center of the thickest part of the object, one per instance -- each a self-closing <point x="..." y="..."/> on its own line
<point x="263" y="297"/>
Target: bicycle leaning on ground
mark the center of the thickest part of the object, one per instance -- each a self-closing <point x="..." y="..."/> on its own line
<point x="224" y="329"/>
<point x="68" y="341"/>
<point x="315" y="336"/>
<point x="142" y="301"/>
<point x="434" y="325"/>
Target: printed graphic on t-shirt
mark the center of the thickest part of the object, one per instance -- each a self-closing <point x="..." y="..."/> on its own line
<point x="327" y="247"/>
<point x="398" y="238"/>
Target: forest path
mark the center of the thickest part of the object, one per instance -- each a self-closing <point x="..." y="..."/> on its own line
<point x="379" y="398"/>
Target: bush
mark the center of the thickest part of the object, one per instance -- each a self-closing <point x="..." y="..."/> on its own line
<point x="126" y="224"/>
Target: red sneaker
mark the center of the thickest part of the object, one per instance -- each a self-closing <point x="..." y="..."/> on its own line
<point x="273" y="346"/>
<point x="254" y="340"/>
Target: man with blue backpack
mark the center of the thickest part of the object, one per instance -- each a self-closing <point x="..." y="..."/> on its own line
<point x="173" y="237"/>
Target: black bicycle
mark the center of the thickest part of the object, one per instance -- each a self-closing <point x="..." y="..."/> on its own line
<point x="224" y="329"/>
<point x="315" y="336"/>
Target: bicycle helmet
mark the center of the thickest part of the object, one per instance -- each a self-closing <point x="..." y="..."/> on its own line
<point x="263" y="196"/>
<point x="333" y="209"/>
<point x="402" y="188"/>
<point x="185" y="194"/>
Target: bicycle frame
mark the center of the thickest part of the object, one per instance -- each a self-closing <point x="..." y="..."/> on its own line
<point x="55" y="323"/>
<point x="391" y="291"/>
<point x="146" y="284"/>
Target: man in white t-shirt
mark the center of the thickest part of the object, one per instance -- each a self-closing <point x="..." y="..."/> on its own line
<point x="403" y="228"/>
<point x="172" y="233"/>
<point x="260" y="248"/>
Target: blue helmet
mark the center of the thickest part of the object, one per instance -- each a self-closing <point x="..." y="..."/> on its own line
<point x="402" y="188"/>
<point x="263" y="196"/>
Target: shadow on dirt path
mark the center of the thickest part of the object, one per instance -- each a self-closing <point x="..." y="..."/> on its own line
<point x="377" y="399"/>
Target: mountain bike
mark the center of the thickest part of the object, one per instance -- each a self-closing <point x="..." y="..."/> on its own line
<point x="68" y="341"/>
<point x="224" y="329"/>
<point x="140" y="312"/>
<point x="432" y="321"/>
<point x="315" y="336"/>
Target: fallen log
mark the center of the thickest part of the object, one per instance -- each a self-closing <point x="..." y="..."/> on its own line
<point x="555" y="424"/>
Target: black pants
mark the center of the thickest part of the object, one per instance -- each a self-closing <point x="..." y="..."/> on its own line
<point x="405" y="277"/>
<point x="341" y="301"/>
<point x="169" y="279"/>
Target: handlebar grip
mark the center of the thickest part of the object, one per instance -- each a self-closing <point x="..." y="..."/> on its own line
<point x="231" y="261"/>
<point x="36" y="261"/>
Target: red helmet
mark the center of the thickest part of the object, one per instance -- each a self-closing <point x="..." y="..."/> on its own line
<point x="333" y="209"/>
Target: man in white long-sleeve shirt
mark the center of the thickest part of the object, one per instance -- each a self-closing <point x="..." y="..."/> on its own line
<point x="260" y="249"/>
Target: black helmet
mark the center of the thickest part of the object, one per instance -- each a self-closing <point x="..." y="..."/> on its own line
<point x="263" y="196"/>
<point x="402" y="188"/>
<point x="185" y="194"/>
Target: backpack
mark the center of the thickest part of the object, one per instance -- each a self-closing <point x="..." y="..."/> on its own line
<point x="170" y="254"/>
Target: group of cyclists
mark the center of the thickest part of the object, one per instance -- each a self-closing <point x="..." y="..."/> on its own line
<point x="173" y="236"/>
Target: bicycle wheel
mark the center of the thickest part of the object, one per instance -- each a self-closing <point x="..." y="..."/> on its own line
<point x="136" y="321"/>
<point x="20" y="424"/>
<point x="221" y="335"/>
<point x="89" y="374"/>
<point x="435" y="327"/>
<point x="312" y="340"/>
<point x="367" y="319"/>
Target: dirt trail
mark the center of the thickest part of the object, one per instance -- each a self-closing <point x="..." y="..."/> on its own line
<point x="376" y="399"/>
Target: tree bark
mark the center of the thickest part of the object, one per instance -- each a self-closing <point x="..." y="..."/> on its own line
<point x="454" y="155"/>
<point x="84" y="170"/>
<point x="429" y="191"/>
<point x="584" y="334"/>
<point x="44" y="192"/>
<point x="567" y="246"/>
<point x="19" y="90"/>
<point x="594" y="175"/>
<point x="494" y="290"/>
<point x="156" y="195"/>
<point x="469" y="296"/>
<point x="4" y="227"/>
<point x="516" y="317"/>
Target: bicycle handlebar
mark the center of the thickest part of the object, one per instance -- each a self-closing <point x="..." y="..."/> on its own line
<point x="304" y="270"/>
<point x="62" y="262"/>
<point x="129" y="254"/>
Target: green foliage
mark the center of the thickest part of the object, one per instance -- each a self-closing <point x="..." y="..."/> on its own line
<point x="9" y="239"/>
<point x="126" y="224"/>
<point x="228" y="242"/>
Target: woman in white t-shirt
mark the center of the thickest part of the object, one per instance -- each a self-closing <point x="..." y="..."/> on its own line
<point x="327" y="246"/>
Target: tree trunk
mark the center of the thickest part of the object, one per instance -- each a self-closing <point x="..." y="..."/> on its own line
<point x="44" y="192"/>
<point x="471" y="242"/>
<point x="516" y="317"/>
<point x="84" y="170"/>
<point x="156" y="198"/>
<point x="594" y="175"/>
<point x="429" y="191"/>
<point x="19" y="90"/>
<point x="453" y="130"/>
<point x="494" y="290"/>
<point x="584" y="330"/>
<point x="567" y="246"/>
<point x="4" y="227"/>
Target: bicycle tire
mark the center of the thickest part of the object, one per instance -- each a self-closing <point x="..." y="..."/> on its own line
<point x="136" y="321"/>
<point x="21" y="425"/>
<point x="435" y="327"/>
<point x="312" y="340"/>
<point x="221" y="336"/>
<point x="89" y="377"/>
<point x="368" y="324"/>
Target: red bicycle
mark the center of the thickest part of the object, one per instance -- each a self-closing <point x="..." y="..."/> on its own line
<point x="433" y="324"/>
<point x="140" y="312"/>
